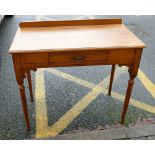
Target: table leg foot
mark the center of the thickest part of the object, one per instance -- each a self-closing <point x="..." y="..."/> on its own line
<point x="111" y="79"/>
<point x="24" y="104"/>
<point x="127" y="99"/>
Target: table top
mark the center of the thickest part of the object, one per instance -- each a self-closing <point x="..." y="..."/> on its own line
<point x="66" y="37"/>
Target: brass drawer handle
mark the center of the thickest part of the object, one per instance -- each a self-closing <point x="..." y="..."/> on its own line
<point x="78" y="58"/>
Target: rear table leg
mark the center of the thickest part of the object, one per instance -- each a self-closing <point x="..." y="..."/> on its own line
<point x="111" y="79"/>
<point x="30" y="84"/>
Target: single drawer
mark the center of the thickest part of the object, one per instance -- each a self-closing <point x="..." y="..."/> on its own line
<point x="34" y="59"/>
<point x="78" y="58"/>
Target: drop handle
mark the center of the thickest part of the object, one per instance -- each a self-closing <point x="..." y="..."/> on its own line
<point x="78" y="58"/>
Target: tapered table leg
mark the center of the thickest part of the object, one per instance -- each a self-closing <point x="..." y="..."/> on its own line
<point x="30" y="85"/>
<point x="24" y="104"/>
<point x="133" y="70"/>
<point x="127" y="99"/>
<point x="111" y="79"/>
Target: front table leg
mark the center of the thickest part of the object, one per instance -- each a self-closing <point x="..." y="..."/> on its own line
<point x="24" y="104"/>
<point x="133" y="70"/>
<point x="127" y="99"/>
<point x="20" y="80"/>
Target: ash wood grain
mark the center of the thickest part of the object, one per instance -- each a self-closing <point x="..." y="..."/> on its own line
<point x="71" y="22"/>
<point x="132" y="74"/>
<point x="75" y="43"/>
<point x="20" y="80"/>
<point x="69" y="38"/>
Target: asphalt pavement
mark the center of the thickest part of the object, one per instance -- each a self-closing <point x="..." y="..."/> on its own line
<point x="63" y="92"/>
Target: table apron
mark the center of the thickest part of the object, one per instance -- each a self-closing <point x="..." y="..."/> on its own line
<point x="78" y="58"/>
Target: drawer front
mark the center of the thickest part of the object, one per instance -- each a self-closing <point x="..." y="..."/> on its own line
<point x="102" y="57"/>
<point x="32" y="60"/>
<point x="78" y="58"/>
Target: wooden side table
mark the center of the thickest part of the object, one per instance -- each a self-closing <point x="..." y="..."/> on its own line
<point x="74" y="43"/>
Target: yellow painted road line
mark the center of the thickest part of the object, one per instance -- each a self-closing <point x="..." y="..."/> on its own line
<point x="71" y="78"/>
<point x="41" y="112"/>
<point x="147" y="83"/>
<point x="42" y="128"/>
<point x="70" y="115"/>
<point x="136" y="103"/>
<point x="40" y="100"/>
<point x="84" y="82"/>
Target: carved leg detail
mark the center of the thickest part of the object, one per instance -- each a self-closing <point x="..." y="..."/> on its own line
<point x="111" y="79"/>
<point x="24" y="104"/>
<point x="30" y="85"/>
<point x="127" y="99"/>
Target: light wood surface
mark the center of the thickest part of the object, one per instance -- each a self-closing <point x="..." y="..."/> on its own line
<point x="74" y="43"/>
<point x="108" y="36"/>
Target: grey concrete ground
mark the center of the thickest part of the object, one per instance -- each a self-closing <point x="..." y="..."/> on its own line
<point x="61" y="94"/>
<point x="135" y="133"/>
